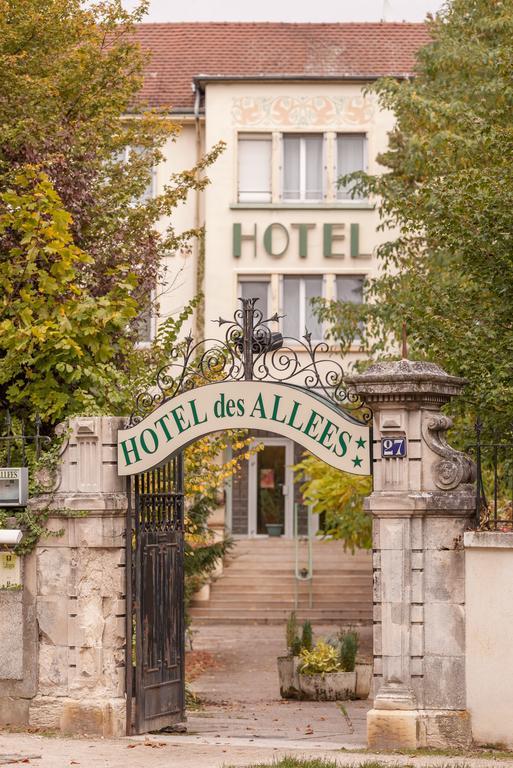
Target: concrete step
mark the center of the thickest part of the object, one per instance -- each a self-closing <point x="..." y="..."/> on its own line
<point x="284" y="602"/>
<point x="290" y="571"/>
<point x="284" y="612"/>
<point x="257" y="592"/>
<point x="258" y="585"/>
<point x="274" y="554"/>
<point x="228" y="576"/>
<point x="318" y="565"/>
<point x="335" y="621"/>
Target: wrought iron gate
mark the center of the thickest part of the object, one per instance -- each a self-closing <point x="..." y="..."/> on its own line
<point x="249" y="353"/>
<point x="155" y="559"/>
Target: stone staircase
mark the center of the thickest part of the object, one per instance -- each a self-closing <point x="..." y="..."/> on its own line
<point x="258" y="585"/>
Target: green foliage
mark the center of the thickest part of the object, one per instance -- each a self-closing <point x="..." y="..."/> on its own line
<point x="293" y="762"/>
<point x="292" y="635"/>
<point x="348" y="650"/>
<point x="296" y="642"/>
<point x="202" y="551"/>
<point x="271" y="501"/>
<point x="81" y="246"/>
<point x="339" y="496"/>
<point x="56" y="338"/>
<point x="323" y="658"/>
<point x="192" y="700"/>
<point x="307" y="636"/>
<point x="447" y="192"/>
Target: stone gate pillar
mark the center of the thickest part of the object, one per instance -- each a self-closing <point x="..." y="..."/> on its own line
<point x="421" y="505"/>
<point x="73" y="671"/>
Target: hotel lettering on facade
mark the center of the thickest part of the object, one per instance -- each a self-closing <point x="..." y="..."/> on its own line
<point x="289" y="102"/>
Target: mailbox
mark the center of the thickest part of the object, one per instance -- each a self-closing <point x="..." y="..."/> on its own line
<point x="13" y="486"/>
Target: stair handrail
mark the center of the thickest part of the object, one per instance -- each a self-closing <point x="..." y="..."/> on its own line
<point x="303" y="574"/>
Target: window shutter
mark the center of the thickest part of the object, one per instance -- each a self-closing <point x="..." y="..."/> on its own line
<point x="350" y="158"/>
<point x="255" y="169"/>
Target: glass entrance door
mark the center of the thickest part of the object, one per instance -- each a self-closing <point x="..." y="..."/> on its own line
<point x="271" y="489"/>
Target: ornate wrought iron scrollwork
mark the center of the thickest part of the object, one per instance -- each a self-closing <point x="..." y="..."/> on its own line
<point x="252" y="351"/>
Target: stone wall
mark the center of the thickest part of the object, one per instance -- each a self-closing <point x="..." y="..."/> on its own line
<point x="74" y="597"/>
<point x="18" y="648"/>
<point x="489" y="630"/>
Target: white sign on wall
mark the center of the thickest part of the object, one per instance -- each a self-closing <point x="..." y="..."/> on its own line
<point x="10" y="570"/>
<point x="312" y="421"/>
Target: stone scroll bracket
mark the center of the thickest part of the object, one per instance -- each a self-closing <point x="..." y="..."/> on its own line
<point x="421" y="505"/>
<point x="453" y="468"/>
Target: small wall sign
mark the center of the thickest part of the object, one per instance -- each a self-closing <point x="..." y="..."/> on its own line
<point x="13" y="486"/>
<point x="10" y="571"/>
<point x="393" y="447"/>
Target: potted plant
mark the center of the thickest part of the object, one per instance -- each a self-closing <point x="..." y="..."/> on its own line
<point x="322" y="677"/>
<point x="327" y="671"/>
<point x="271" y="511"/>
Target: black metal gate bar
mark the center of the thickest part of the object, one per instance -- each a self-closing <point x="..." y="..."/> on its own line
<point x="129" y="610"/>
<point x="157" y="599"/>
<point x="494" y="486"/>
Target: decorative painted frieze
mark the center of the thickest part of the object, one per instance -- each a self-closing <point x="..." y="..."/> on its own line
<point x="302" y="111"/>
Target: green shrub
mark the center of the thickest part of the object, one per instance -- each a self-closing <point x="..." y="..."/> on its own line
<point x="321" y="659"/>
<point x="292" y="635"/>
<point x="348" y="650"/>
<point x="307" y="636"/>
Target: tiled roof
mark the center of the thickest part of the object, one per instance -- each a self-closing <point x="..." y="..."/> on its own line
<point x="183" y="51"/>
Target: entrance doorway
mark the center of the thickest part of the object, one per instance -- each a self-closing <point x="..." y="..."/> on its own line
<point x="271" y="488"/>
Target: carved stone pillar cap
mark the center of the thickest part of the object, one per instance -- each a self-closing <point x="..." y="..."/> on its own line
<point x="406" y="380"/>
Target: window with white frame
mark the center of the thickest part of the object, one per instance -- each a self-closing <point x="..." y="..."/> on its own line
<point x="256" y="288"/>
<point x="351" y="156"/>
<point x="254" y="155"/>
<point x="303" y="167"/>
<point x="349" y="288"/>
<point x="297" y="295"/>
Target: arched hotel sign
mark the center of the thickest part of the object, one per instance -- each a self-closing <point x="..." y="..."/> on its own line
<point x="321" y="428"/>
<point x="253" y="380"/>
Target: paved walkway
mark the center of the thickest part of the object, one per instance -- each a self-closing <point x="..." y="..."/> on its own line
<point x="243" y="723"/>
<point x="241" y="699"/>
<point x="174" y="752"/>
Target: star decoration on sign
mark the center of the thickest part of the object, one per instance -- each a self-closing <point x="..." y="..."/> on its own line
<point x="357" y="462"/>
<point x="360" y="442"/>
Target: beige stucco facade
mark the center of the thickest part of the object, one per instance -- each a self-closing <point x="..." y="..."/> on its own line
<point x="324" y="240"/>
<point x="240" y="108"/>
<point x="489" y="635"/>
<point x="180" y="268"/>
